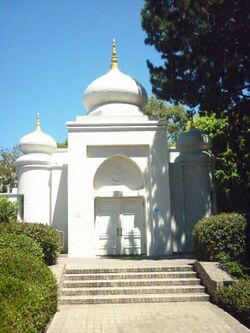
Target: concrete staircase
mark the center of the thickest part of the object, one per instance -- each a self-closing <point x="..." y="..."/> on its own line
<point x="131" y="285"/>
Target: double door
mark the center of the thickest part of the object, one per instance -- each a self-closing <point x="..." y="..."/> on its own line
<point x="119" y="226"/>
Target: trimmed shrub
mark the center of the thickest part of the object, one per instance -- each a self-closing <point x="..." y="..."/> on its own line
<point x="21" y="243"/>
<point x="46" y="236"/>
<point x="29" y="291"/>
<point x="220" y="233"/>
<point x="13" y="318"/>
<point x="235" y="299"/>
<point x="233" y="268"/>
<point x="8" y="210"/>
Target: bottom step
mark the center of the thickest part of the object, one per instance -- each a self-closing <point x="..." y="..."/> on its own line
<point x="133" y="299"/>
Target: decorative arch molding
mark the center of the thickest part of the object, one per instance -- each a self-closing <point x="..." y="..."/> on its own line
<point x="119" y="170"/>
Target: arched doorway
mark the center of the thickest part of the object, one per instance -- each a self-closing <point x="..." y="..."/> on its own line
<point x="119" y="220"/>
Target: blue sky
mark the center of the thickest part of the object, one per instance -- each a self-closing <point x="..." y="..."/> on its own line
<point x="52" y="49"/>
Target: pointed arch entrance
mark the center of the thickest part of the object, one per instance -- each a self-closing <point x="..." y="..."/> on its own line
<point x="119" y="219"/>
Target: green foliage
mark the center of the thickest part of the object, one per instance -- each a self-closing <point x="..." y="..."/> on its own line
<point x="20" y="243"/>
<point x="8" y="174"/>
<point x="46" y="236"/>
<point x="235" y="299"/>
<point x="174" y="115"/>
<point x="206" y="66"/>
<point x="28" y="290"/>
<point x="62" y="144"/>
<point x="230" y="146"/>
<point x="232" y="267"/>
<point x="13" y="318"/>
<point x="227" y="171"/>
<point x="204" y="51"/>
<point x="8" y="210"/>
<point x="211" y="125"/>
<point x="220" y="233"/>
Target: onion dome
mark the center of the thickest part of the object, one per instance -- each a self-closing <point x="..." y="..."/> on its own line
<point x="115" y="93"/>
<point x="192" y="140"/>
<point x="34" y="159"/>
<point x="37" y="141"/>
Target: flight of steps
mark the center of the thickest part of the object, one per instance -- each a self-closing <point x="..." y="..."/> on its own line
<point x="131" y="285"/>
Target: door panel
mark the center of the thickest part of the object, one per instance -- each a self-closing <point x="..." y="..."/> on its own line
<point x="119" y="226"/>
<point x="105" y="226"/>
<point x="132" y="226"/>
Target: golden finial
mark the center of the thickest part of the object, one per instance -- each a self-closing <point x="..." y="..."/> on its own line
<point x="38" y="126"/>
<point x="114" y="63"/>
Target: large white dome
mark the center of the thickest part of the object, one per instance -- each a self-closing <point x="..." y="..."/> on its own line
<point x="37" y="142"/>
<point x="114" y="89"/>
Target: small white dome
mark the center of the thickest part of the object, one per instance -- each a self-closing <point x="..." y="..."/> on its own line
<point x="114" y="88"/>
<point x="34" y="159"/>
<point x="37" y="142"/>
<point x="192" y="140"/>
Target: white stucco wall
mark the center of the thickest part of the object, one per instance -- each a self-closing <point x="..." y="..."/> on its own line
<point x="192" y="196"/>
<point x="160" y="196"/>
<point x="59" y="193"/>
<point x="34" y="185"/>
<point x="94" y="139"/>
<point x="176" y="189"/>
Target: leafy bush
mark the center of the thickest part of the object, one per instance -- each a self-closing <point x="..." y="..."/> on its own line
<point x="220" y="233"/>
<point x="28" y="290"/>
<point x="21" y="243"/>
<point x="8" y="210"/>
<point x="232" y="267"/>
<point x="46" y="236"/>
<point x="235" y="299"/>
<point x="14" y="317"/>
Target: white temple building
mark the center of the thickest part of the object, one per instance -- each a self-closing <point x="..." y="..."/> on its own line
<point x="118" y="189"/>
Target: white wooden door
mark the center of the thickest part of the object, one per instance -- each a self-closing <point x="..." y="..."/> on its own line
<point x="107" y="238"/>
<point x="119" y="226"/>
<point x="132" y="224"/>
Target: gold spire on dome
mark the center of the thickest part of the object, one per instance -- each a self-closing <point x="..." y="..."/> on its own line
<point x="38" y="126"/>
<point x="114" y="63"/>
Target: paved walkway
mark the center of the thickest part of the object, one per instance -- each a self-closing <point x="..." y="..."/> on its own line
<point x="187" y="317"/>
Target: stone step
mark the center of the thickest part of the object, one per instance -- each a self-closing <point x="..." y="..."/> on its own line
<point x="127" y="282"/>
<point x="130" y="276"/>
<point x="182" y="268"/>
<point x="133" y="290"/>
<point x="112" y="299"/>
<point x="131" y="285"/>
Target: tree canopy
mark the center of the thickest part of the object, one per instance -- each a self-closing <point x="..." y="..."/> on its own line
<point x="204" y="46"/>
<point x="62" y="144"/>
<point x="227" y="173"/>
<point x="174" y="115"/>
<point x="8" y="174"/>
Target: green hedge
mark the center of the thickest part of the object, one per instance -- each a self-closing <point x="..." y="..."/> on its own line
<point x="220" y="233"/>
<point x="234" y="268"/>
<point x="46" y="236"/>
<point x="235" y="299"/>
<point x="28" y="292"/>
<point x="21" y="243"/>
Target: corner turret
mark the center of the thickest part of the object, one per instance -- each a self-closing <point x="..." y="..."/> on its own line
<point x="34" y="174"/>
